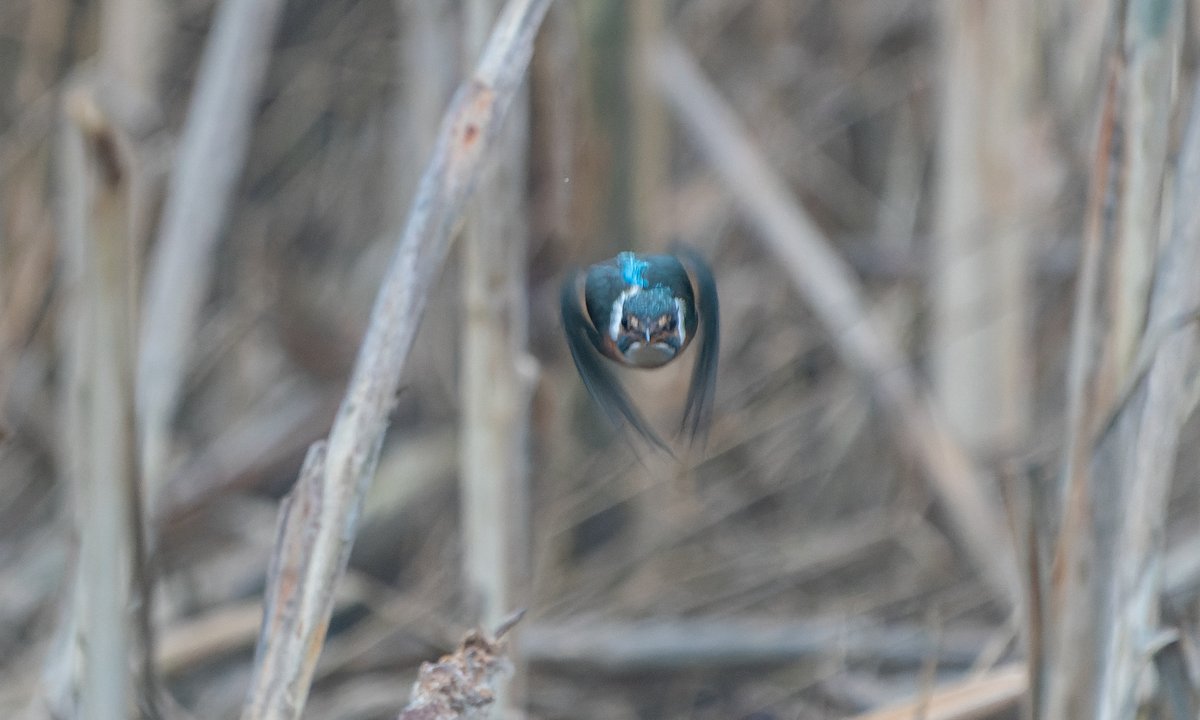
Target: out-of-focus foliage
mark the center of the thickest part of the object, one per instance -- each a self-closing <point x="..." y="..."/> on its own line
<point x="800" y="513"/>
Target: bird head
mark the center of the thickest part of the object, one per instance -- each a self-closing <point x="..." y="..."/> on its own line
<point x="651" y="330"/>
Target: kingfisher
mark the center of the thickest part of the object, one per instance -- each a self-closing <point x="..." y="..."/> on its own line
<point x="642" y="311"/>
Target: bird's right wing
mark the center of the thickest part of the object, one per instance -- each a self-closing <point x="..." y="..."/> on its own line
<point x="697" y="415"/>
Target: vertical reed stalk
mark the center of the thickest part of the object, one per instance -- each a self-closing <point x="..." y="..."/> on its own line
<point x="111" y="540"/>
<point x="320" y="517"/>
<point x="981" y="282"/>
<point x="1106" y="473"/>
<point x="495" y="371"/>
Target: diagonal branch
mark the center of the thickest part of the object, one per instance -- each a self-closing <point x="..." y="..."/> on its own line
<point x="320" y="518"/>
<point x="829" y="286"/>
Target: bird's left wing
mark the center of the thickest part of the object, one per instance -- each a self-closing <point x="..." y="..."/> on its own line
<point x="584" y="341"/>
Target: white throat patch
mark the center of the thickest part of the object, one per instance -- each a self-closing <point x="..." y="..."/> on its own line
<point x="618" y="311"/>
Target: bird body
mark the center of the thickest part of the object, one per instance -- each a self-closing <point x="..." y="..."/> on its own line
<point x="642" y="311"/>
<point x="643" y="308"/>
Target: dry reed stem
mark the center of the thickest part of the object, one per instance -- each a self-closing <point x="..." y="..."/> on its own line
<point x="829" y="286"/>
<point x="1123" y="228"/>
<point x="111" y="539"/>
<point x="974" y="699"/>
<point x="133" y="44"/>
<point x="57" y="691"/>
<point x="495" y="371"/>
<point x="1067" y="661"/>
<point x="211" y="154"/>
<point x="319" y="519"/>
<point x="980" y="286"/>
<point x="228" y="629"/>
<point x="496" y="374"/>
<point x="1136" y="454"/>
<point x="675" y="644"/>
<point x="1152" y="52"/>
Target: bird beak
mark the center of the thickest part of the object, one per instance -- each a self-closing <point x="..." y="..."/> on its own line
<point x="646" y="332"/>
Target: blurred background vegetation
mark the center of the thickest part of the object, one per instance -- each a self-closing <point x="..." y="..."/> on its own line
<point x="799" y="565"/>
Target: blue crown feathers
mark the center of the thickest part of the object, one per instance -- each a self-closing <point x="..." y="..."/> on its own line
<point x="633" y="271"/>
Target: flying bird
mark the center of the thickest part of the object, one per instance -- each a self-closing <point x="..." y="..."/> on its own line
<point x="643" y="311"/>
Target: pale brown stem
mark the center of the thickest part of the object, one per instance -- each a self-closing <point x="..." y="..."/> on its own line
<point x="111" y="547"/>
<point x="1110" y="354"/>
<point x="827" y="283"/>
<point x="318" y="522"/>
<point x="496" y="374"/>
<point x="980" y="286"/>
<point x="1136" y="454"/>
<point x="975" y="699"/>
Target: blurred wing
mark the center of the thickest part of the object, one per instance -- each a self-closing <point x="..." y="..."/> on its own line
<point x="602" y="385"/>
<point x="697" y="414"/>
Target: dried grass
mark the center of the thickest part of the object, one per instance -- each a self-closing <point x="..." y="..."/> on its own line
<point x="802" y="565"/>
